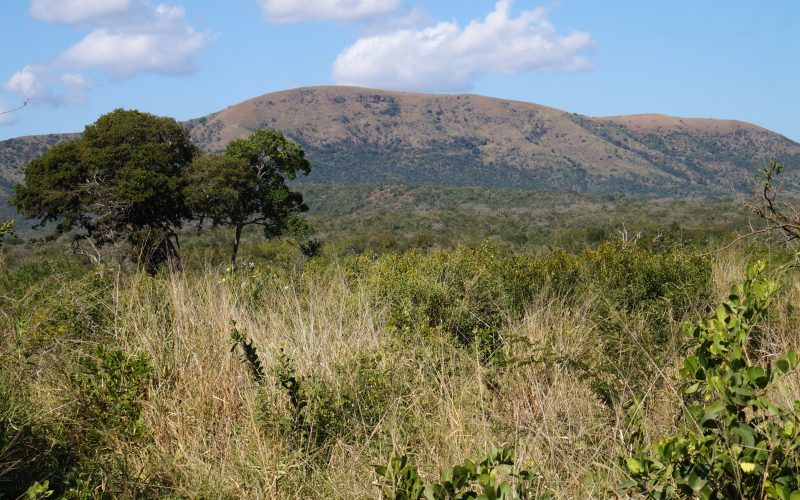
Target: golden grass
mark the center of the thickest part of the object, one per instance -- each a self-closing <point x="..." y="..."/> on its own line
<point x="203" y="411"/>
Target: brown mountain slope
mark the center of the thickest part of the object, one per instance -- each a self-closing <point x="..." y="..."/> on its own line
<point x="355" y="134"/>
<point x="363" y="135"/>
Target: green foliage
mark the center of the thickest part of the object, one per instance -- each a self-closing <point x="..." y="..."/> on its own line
<point x="49" y="302"/>
<point x="6" y="229"/>
<point x="71" y="453"/>
<point x="311" y="248"/>
<point x="124" y="176"/>
<point x="322" y="410"/>
<point x="33" y="457"/>
<point x="20" y="447"/>
<point x="769" y="173"/>
<point x="735" y="443"/>
<point x="249" y="354"/>
<point x="109" y="387"/>
<point x="494" y="478"/>
<point x="461" y="293"/>
<point x="38" y="490"/>
<point x="221" y="188"/>
<point x="247" y="185"/>
<point x="472" y="293"/>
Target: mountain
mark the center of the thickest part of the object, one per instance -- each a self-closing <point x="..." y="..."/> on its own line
<point x="363" y="135"/>
<point x="355" y="135"/>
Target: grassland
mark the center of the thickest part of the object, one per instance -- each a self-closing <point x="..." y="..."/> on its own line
<point x="437" y="323"/>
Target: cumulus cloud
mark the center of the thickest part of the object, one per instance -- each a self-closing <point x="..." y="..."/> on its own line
<point x="448" y="57"/>
<point x="296" y="11"/>
<point x="158" y="42"/>
<point x="126" y="37"/>
<point x="76" y="11"/>
<point x="43" y="85"/>
<point x="30" y="81"/>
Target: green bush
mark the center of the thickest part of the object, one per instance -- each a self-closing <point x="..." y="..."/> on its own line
<point x="48" y="301"/>
<point x="461" y="293"/>
<point x="30" y="450"/>
<point x="109" y="387"/>
<point x="494" y="478"/>
<point x="20" y="450"/>
<point x="735" y="442"/>
<point x="471" y="293"/>
<point x="6" y="229"/>
<point x="323" y="410"/>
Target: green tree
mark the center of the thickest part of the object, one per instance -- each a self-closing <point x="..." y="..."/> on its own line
<point x="121" y="182"/>
<point x="247" y="186"/>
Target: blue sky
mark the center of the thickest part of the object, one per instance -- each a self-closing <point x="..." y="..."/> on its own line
<point x="77" y="59"/>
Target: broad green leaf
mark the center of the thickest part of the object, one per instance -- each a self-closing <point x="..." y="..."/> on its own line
<point x="747" y="467"/>
<point x="635" y="466"/>
<point x="695" y="482"/>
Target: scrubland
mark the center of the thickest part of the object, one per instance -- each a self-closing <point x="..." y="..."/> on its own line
<point x="296" y="379"/>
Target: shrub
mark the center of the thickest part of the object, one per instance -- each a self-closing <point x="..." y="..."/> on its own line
<point x="30" y="451"/>
<point x="461" y="293"/>
<point x="6" y="229"/>
<point x="471" y="293"/>
<point x="493" y="478"/>
<point x="735" y="442"/>
<point x="109" y="387"/>
<point x="19" y="450"/>
<point x="48" y="301"/>
<point x="324" y="410"/>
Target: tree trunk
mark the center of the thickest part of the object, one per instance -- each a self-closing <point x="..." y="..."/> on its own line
<point x="235" y="251"/>
<point x="173" y="259"/>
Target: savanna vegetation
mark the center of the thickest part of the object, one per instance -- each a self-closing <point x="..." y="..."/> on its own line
<point x="426" y="343"/>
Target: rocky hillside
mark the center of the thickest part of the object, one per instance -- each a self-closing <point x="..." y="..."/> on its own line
<point x="373" y="136"/>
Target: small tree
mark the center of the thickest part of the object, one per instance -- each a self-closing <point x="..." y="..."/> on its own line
<point x="247" y="185"/>
<point x="122" y="181"/>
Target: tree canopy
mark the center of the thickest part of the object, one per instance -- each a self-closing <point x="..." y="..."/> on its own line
<point x="247" y="185"/>
<point x="122" y="181"/>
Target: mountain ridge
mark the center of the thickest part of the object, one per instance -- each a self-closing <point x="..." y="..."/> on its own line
<point x="354" y="134"/>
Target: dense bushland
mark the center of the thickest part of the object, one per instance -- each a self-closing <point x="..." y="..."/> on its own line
<point x="296" y="378"/>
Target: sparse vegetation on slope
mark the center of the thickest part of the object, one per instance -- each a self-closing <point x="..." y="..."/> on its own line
<point x="354" y="135"/>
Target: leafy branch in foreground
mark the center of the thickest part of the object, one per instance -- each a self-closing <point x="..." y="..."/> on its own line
<point x="249" y="354"/>
<point x="735" y="443"/>
<point x="492" y="478"/>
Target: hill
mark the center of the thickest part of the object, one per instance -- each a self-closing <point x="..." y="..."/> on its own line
<point x="363" y="135"/>
<point x="355" y="135"/>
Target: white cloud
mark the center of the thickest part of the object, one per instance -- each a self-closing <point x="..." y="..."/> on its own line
<point x="31" y="82"/>
<point x="76" y="11"/>
<point x="296" y="11"/>
<point x="447" y="57"/>
<point x="158" y="42"/>
<point x="44" y="86"/>
<point x="76" y="86"/>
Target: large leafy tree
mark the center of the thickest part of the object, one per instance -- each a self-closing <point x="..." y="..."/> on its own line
<point x="247" y="185"/>
<point x="121" y="182"/>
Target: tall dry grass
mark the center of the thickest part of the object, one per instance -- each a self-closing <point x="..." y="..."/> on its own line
<point x="205" y="414"/>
